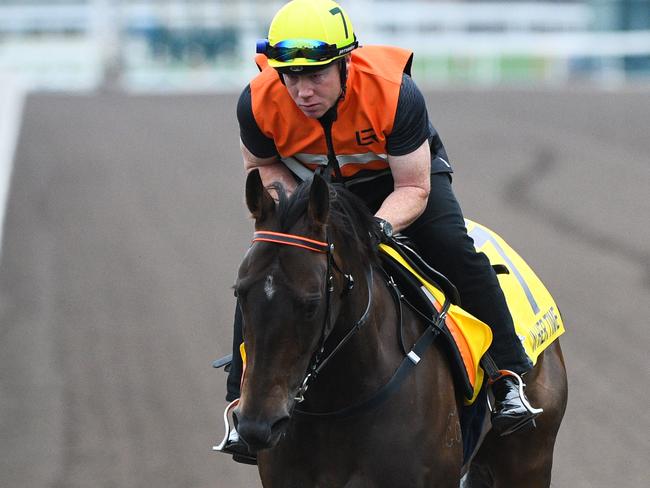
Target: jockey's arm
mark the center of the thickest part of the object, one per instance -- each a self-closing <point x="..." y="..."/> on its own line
<point x="271" y="169"/>
<point x="412" y="183"/>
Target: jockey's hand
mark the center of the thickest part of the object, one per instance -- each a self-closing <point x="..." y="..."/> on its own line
<point x="383" y="231"/>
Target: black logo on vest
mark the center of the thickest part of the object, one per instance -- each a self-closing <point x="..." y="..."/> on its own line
<point x="366" y="137"/>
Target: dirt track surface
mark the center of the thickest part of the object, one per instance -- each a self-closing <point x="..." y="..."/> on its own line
<point x="126" y="224"/>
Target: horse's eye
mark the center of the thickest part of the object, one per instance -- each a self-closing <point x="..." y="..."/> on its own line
<point x="310" y="307"/>
<point x="311" y="310"/>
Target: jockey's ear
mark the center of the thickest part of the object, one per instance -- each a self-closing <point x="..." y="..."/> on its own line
<point x="319" y="200"/>
<point x="258" y="199"/>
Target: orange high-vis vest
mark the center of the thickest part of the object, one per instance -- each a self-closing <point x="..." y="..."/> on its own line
<point x="365" y="116"/>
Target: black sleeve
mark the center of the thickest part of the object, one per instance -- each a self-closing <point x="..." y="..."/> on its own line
<point x="251" y="135"/>
<point x="412" y="127"/>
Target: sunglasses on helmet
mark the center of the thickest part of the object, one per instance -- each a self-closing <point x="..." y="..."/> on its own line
<point x="309" y="49"/>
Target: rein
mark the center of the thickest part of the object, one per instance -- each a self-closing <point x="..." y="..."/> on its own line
<point x="411" y="359"/>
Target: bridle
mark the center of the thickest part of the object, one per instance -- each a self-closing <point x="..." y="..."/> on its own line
<point x="409" y="362"/>
<point x="318" y="362"/>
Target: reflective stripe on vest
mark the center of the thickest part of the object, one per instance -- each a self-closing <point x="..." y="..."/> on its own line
<point x="303" y="164"/>
<point x="321" y="159"/>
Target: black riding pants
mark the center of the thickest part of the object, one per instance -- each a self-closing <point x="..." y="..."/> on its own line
<point x="441" y="237"/>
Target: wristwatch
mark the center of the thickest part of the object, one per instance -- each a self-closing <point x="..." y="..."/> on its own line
<point x="385" y="227"/>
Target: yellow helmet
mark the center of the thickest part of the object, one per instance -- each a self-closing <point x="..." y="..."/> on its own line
<point x="308" y="33"/>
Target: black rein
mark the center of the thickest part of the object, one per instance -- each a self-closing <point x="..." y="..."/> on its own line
<point x="411" y="359"/>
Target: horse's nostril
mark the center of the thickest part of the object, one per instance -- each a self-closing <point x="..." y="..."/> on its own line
<point x="261" y="434"/>
<point x="280" y="426"/>
<point x="235" y="418"/>
<point x="257" y="435"/>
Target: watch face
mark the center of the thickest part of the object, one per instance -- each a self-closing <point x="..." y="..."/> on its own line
<point x="387" y="229"/>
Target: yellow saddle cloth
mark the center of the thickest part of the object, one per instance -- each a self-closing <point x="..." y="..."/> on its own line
<point x="537" y="319"/>
<point x="535" y="314"/>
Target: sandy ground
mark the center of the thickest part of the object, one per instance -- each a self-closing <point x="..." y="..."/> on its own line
<point x="126" y="224"/>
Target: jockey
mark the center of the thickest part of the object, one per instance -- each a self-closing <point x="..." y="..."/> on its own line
<point x="321" y="100"/>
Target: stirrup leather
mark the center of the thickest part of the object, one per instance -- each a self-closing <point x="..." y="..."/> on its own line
<point x="527" y="421"/>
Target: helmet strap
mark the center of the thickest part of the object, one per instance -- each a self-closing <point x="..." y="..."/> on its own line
<point x="281" y="77"/>
<point x="343" y="72"/>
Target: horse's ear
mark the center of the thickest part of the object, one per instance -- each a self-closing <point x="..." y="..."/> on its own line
<point x="258" y="199"/>
<point x="319" y="199"/>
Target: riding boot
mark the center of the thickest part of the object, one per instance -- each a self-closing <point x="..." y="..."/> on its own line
<point x="233" y="382"/>
<point x="512" y="411"/>
<point x="235" y="446"/>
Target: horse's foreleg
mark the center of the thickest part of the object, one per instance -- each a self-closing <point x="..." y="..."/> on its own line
<point x="512" y="461"/>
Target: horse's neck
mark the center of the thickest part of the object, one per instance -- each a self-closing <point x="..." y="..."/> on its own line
<point x="370" y="357"/>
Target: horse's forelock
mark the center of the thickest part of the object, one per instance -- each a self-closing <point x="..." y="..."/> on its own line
<point x="349" y="217"/>
<point x="291" y="207"/>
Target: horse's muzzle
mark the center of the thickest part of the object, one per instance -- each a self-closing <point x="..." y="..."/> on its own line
<point x="260" y="434"/>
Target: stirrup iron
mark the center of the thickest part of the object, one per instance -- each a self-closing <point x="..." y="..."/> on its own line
<point x="231" y="444"/>
<point x="528" y="422"/>
<point x="226" y="421"/>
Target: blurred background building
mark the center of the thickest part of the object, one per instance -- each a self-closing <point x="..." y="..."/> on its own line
<point x="208" y="45"/>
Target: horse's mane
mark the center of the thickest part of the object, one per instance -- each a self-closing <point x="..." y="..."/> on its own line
<point x="349" y="217"/>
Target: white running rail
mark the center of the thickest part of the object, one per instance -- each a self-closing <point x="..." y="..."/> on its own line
<point x="11" y="108"/>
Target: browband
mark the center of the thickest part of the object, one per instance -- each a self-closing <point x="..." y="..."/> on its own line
<point x="291" y="240"/>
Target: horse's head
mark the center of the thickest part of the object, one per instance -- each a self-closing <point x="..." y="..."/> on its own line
<point x="291" y="291"/>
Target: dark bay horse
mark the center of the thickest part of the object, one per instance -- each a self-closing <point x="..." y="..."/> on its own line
<point x="324" y="332"/>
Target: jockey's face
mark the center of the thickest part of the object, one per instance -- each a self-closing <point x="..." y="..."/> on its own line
<point x="315" y="93"/>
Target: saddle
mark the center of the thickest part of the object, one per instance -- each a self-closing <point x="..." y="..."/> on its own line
<point x="538" y="322"/>
<point x="424" y="289"/>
